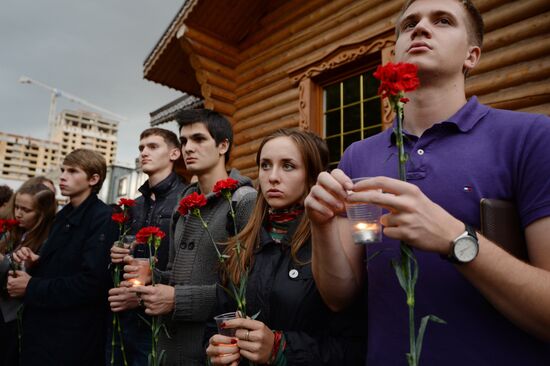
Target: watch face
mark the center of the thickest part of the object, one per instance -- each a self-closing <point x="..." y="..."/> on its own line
<point x="465" y="249"/>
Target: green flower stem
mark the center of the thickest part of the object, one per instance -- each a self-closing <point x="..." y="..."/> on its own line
<point x="406" y="261"/>
<point x="197" y="213"/>
<point x="117" y="326"/>
<point x="240" y="293"/>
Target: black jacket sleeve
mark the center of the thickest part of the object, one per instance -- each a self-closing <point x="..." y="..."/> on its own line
<point x="91" y="282"/>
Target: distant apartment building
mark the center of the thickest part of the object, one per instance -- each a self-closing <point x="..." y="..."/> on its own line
<point x="23" y="157"/>
<point x="82" y="129"/>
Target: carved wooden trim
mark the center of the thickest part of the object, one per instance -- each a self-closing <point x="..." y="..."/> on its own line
<point x="310" y="115"/>
<point x="340" y="56"/>
<point x="303" y="107"/>
<point x="310" y="92"/>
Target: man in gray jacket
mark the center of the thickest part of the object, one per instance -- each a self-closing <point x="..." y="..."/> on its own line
<point x="188" y="291"/>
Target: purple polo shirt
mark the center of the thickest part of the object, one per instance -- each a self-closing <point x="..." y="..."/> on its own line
<point x="477" y="153"/>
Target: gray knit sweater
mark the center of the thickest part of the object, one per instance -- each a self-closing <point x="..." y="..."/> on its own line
<point x="193" y="271"/>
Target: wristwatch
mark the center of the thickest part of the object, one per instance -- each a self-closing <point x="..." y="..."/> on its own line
<point x="465" y="247"/>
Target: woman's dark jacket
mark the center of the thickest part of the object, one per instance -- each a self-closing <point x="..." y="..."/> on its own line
<point x="286" y="295"/>
<point x="66" y="298"/>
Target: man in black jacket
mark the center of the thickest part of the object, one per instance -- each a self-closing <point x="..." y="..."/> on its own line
<point x="159" y="149"/>
<point x="65" y="289"/>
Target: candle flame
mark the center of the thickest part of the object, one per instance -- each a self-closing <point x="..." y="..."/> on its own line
<point x="136" y="282"/>
<point x="366" y="226"/>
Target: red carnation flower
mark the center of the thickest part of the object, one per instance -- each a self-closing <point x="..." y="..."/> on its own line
<point x="225" y="184"/>
<point x="396" y="78"/>
<point x="127" y="202"/>
<point x="7" y="224"/>
<point x="190" y="202"/>
<point x="119" y="218"/>
<point x="145" y="233"/>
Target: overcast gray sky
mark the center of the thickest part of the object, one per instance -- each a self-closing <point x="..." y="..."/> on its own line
<point x="92" y="49"/>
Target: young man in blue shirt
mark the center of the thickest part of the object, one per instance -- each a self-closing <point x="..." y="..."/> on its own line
<point x="496" y="306"/>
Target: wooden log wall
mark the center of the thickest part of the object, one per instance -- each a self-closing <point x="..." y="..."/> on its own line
<point x="514" y="70"/>
<point x="249" y="82"/>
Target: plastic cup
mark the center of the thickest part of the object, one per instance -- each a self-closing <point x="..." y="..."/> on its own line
<point x="143" y="272"/>
<point x="128" y="241"/>
<point x="364" y="219"/>
<point x="229" y="332"/>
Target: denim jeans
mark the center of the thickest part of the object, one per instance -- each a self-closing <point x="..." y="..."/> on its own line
<point x="136" y="335"/>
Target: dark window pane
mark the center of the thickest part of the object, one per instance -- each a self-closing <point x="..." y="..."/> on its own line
<point x="332" y="123"/>
<point x="334" y="148"/>
<point x="372" y="131"/>
<point x="370" y="85"/>
<point x="352" y="90"/>
<point x="352" y="118"/>
<point x="332" y="96"/>
<point x="351" y="138"/>
<point x="373" y="112"/>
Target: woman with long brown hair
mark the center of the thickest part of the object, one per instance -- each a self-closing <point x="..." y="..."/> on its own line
<point x="34" y="207"/>
<point x="293" y="325"/>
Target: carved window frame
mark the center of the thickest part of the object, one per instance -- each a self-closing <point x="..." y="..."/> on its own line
<point x="310" y="87"/>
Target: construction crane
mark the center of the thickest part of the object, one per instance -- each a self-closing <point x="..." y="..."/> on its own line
<point x="59" y="93"/>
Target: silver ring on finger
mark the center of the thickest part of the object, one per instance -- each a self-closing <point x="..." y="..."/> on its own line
<point x="247" y="336"/>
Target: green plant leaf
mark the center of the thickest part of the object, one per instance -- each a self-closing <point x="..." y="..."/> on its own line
<point x="399" y="273"/>
<point x="253" y="317"/>
<point x="374" y="255"/>
<point x="422" y="330"/>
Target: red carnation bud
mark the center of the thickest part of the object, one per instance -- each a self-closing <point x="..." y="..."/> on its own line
<point x="127" y="202"/>
<point x="190" y="202"/>
<point x="225" y="184"/>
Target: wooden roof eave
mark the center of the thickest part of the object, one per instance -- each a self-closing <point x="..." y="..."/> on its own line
<point x="168" y="64"/>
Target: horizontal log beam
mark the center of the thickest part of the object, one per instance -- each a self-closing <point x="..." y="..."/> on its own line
<point x="513" y="12"/>
<point x="212" y="91"/>
<point x="215" y="68"/>
<point x="526" y="50"/>
<point x="219" y="106"/>
<point x="244" y="162"/>
<point x="208" y="40"/>
<point x="486" y="5"/>
<point x="208" y="77"/>
<point x="309" y="53"/>
<point x="211" y="53"/>
<point x="246" y="149"/>
<point x="527" y="28"/>
<point x="313" y="44"/>
<point x="266" y="129"/>
<point x="512" y="95"/>
<point x="306" y="27"/>
<point x="290" y="95"/>
<point x="269" y="116"/>
<point x="541" y="109"/>
<point x="509" y="76"/>
<point x="263" y="93"/>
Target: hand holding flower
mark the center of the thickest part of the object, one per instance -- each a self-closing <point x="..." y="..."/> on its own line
<point x="122" y="298"/>
<point x="118" y="254"/>
<point x="17" y="283"/>
<point x="255" y="339"/>
<point x="158" y="299"/>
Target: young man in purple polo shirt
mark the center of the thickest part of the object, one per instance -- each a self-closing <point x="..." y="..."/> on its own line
<point x="496" y="306"/>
